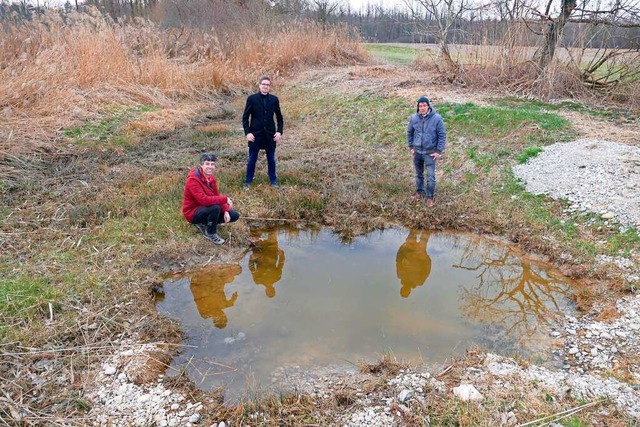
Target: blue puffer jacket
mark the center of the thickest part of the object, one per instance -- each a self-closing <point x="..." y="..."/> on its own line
<point x="426" y="134"/>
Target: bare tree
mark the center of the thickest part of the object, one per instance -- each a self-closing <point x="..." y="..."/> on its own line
<point x="325" y="9"/>
<point x="615" y="14"/>
<point x="437" y="18"/>
<point x="512" y="291"/>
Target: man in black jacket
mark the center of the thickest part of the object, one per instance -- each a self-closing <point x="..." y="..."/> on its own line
<point x="260" y="129"/>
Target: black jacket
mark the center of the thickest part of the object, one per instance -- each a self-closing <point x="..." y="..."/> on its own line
<point x="261" y="109"/>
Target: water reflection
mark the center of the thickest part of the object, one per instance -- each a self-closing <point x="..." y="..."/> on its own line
<point x="339" y="302"/>
<point x="266" y="263"/>
<point x="511" y="288"/>
<point x="413" y="264"/>
<point x="207" y="288"/>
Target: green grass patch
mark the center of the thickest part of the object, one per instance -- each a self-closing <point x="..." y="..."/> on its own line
<point x="540" y="106"/>
<point x="482" y="160"/>
<point x="498" y="123"/>
<point x="25" y="296"/>
<point x="624" y="243"/>
<point x="368" y="118"/>
<point x="109" y="129"/>
<point x="529" y="153"/>
<point x="392" y="54"/>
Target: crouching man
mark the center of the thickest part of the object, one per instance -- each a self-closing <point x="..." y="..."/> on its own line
<point x="202" y="204"/>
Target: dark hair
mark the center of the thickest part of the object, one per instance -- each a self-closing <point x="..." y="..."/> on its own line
<point x="264" y="78"/>
<point x="208" y="157"/>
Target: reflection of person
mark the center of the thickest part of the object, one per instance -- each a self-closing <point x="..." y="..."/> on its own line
<point x="202" y="204"/>
<point x="207" y="287"/>
<point x="261" y="131"/>
<point x="427" y="137"/>
<point x="266" y="263"/>
<point x="413" y="264"/>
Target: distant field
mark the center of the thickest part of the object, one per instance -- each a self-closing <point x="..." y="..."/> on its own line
<point x="394" y="53"/>
<point x="405" y="53"/>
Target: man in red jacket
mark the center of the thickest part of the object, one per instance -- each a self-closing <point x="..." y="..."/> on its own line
<point x="203" y="205"/>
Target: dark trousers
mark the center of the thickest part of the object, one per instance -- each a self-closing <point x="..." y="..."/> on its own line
<point x="211" y="216"/>
<point x="262" y="143"/>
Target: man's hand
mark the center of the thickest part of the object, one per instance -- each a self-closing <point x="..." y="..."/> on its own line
<point x="411" y="151"/>
<point x="435" y="156"/>
<point x="229" y="202"/>
<point x="227" y="217"/>
<point x="250" y="137"/>
<point x="277" y="137"/>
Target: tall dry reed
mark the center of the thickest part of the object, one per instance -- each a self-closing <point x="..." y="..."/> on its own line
<point x="54" y="72"/>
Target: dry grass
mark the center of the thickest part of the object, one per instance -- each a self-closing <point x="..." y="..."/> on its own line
<point x="55" y="75"/>
<point x="509" y="66"/>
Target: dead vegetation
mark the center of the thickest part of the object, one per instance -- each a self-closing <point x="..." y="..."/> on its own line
<point x="94" y="220"/>
<point x="59" y="72"/>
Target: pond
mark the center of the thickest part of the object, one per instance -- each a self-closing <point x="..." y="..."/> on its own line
<point x="304" y="299"/>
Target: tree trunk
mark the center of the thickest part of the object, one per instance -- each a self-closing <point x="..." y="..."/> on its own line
<point x="544" y="55"/>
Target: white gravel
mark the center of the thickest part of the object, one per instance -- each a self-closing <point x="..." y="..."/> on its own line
<point x="602" y="177"/>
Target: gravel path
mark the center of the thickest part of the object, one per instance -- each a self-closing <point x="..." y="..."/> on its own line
<point x="602" y="177"/>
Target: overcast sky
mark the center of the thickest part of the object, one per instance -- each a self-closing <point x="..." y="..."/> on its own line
<point x="387" y="4"/>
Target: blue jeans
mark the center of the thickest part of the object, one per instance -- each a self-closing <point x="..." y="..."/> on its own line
<point x="254" y="149"/>
<point x="419" y="162"/>
<point x="211" y="216"/>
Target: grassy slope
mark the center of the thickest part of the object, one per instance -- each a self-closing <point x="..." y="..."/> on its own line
<point x="87" y="236"/>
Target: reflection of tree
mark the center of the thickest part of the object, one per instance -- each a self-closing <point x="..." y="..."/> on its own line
<point x="413" y="264"/>
<point x="512" y="290"/>
<point x="207" y="287"/>
<point x="266" y="263"/>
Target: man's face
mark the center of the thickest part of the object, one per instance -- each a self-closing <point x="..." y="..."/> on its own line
<point x="265" y="86"/>
<point x="423" y="107"/>
<point x="208" y="166"/>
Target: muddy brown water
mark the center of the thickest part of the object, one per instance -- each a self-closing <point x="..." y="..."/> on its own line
<point x="303" y="299"/>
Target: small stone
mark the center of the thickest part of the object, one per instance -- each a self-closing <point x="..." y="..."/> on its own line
<point x="109" y="370"/>
<point x="466" y="392"/>
<point x="405" y="395"/>
<point x="574" y="350"/>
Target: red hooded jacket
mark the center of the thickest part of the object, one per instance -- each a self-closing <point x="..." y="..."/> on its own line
<point x="200" y="191"/>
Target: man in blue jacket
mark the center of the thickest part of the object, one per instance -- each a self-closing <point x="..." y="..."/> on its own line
<point x="427" y="138"/>
<point x="261" y="131"/>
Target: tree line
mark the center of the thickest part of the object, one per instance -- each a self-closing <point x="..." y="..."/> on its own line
<point x="611" y="26"/>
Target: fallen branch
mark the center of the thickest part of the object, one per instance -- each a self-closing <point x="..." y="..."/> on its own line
<point x="560" y="415"/>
